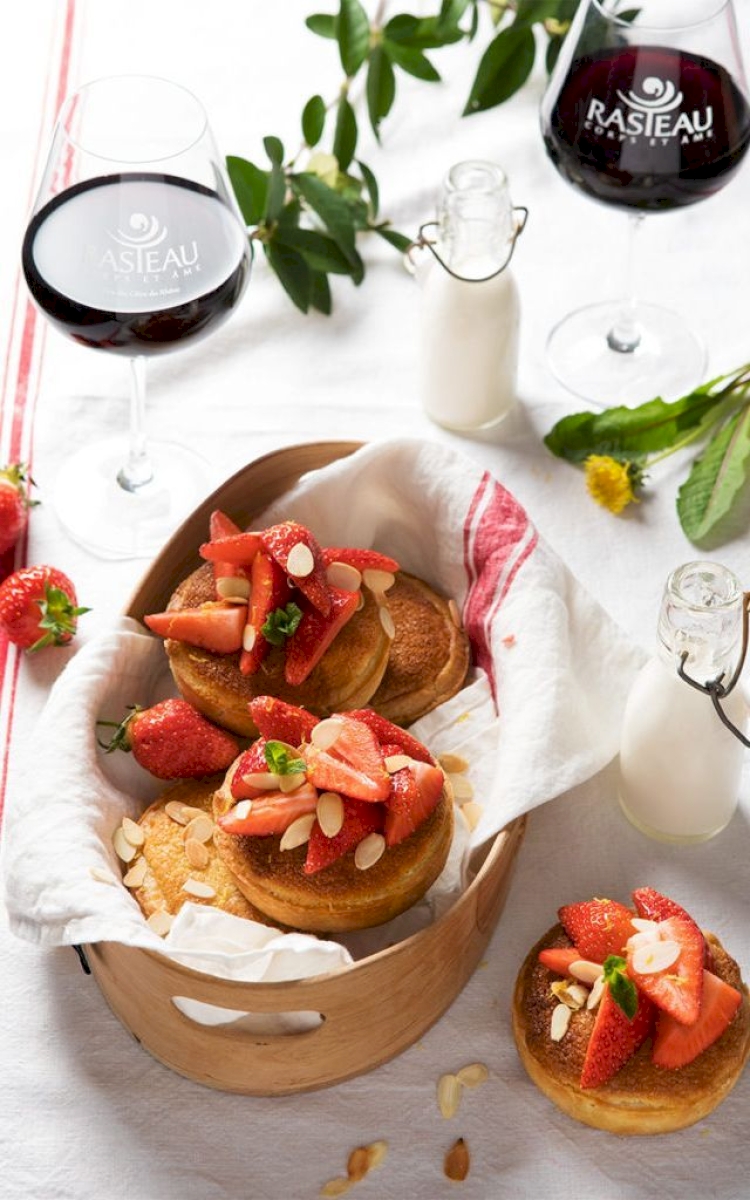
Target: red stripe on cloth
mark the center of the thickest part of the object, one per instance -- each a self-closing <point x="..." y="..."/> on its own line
<point x="501" y="529"/>
<point x="469" y="526"/>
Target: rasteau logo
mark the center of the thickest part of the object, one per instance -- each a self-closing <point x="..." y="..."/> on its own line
<point x="653" y="115"/>
<point x="141" y="251"/>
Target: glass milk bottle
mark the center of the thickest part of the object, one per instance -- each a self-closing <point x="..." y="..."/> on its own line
<point x="680" y="766"/>
<point x="470" y="308"/>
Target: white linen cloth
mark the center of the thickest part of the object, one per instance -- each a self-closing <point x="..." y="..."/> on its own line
<point x="540" y="714"/>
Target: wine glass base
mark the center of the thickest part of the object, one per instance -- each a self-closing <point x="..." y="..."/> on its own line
<point x="669" y="360"/>
<point x="113" y="523"/>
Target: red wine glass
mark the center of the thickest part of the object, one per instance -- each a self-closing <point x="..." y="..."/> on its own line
<point x="646" y="110"/>
<point x="135" y="248"/>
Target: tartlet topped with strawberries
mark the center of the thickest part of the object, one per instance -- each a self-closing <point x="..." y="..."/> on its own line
<point x="332" y="824"/>
<point x="632" y="1019"/>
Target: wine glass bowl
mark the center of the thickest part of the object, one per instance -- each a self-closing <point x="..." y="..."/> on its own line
<point x="646" y="111"/>
<point x="135" y="248"/>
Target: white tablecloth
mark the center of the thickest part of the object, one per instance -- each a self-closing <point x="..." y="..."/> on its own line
<point x="84" y="1111"/>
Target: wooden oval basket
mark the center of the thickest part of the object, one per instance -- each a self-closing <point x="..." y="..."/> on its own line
<point x="420" y="976"/>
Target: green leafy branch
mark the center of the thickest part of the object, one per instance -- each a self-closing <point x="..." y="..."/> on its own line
<point x="618" y="445"/>
<point x="308" y="211"/>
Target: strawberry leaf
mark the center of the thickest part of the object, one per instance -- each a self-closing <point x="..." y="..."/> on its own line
<point x="623" y="990"/>
<point x="281" y="623"/>
<point x="717" y="476"/>
<point x="280" y="761"/>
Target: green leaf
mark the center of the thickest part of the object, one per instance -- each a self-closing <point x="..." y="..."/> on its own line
<point x="505" y="66"/>
<point x="421" y="33"/>
<point x="276" y="194"/>
<point x="353" y="33"/>
<point x="399" y="240"/>
<point x="381" y="88"/>
<point x="451" y="12"/>
<point x="716" y="478"/>
<point x="313" y="120"/>
<point x="322" y="24"/>
<point x="622" y="989"/>
<point x="274" y="149"/>
<point x="371" y="184"/>
<point x="632" y="433"/>
<point x="294" y="276"/>
<point x="250" y="186"/>
<point x="414" y="62"/>
<point x="345" y="136"/>
<point x="320" y="293"/>
<point x="282" y="622"/>
<point x="331" y="208"/>
<point x="280" y="762"/>
<point x="319" y="252"/>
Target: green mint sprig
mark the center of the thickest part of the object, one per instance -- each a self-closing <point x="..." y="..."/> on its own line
<point x="281" y="623"/>
<point x="621" y="986"/>
<point x="280" y="761"/>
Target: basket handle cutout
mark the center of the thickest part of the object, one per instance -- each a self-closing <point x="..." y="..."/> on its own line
<point x="262" y="1024"/>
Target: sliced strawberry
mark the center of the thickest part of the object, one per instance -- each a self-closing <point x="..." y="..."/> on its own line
<point x="285" y="722"/>
<point x="269" y="590"/>
<point x="359" y="820"/>
<point x="597" y="927"/>
<point x="676" y="1045"/>
<point x="559" y="958"/>
<point x="314" y="634"/>
<point x="221" y="526"/>
<point x="677" y="988"/>
<point x="306" y="570"/>
<point x="363" y="560"/>
<point x="334" y="775"/>
<point x="250" y="762"/>
<point x="386" y="732"/>
<point x="415" y="792"/>
<point x="213" y="626"/>
<point x="358" y="746"/>
<point x="653" y="906"/>
<point x="271" y="812"/>
<point x="237" y="548"/>
<point x="614" y="1038"/>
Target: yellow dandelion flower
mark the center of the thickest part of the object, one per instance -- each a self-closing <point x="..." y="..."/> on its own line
<point x="611" y="483"/>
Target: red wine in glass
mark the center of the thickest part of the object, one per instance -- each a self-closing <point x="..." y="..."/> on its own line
<point x="647" y="111"/>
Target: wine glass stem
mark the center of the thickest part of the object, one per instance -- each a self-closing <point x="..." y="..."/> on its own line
<point x="625" y="336"/>
<point x="138" y="469"/>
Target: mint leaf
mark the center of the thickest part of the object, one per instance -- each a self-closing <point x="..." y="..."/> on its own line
<point x="716" y="478"/>
<point x="281" y="623"/>
<point x="280" y="761"/>
<point x="621" y="986"/>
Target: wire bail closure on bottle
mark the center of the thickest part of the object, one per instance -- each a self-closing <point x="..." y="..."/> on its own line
<point x="423" y="242"/>
<point x="715" y="688"/>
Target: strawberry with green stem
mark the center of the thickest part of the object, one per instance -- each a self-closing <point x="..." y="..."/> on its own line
<point x="172" y="740"/>
<point x="14" y="503"/>
<point x="39" y="608"/>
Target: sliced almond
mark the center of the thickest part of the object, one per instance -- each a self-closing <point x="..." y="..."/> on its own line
<point x="337" y="1187"/>
<point x="386" y="620"/>
<point x="376" y="1153"/>
<point x="368" y="851"/>
<point x="561" y="1015"/>
<point x="197" y="854"/>
<point x="289" y="783"/>
<point x="176" y="812"/>
<point x="457" y="1161"/>
<point x="300" y="561"/>
<point x="448" y="1095"/>
<point x="572" y="994"/>
<point x="133" y="832"/>
<point x="643" y="925"/>
<point x="472" y="1075"/>
<point x="344" y="576"/>
<point x="587" y="972"/>
<point x="102" y="875"/>
<point x="330" y="812"/>
<point x="463" y="788"/>
<point x="196" y="887"/>
<point x="160" y="922"/>
<point x="249" y="637"/>
<point x="377" y="580"/>
<point x="234" y="588"/>
<point x="242" y="810"/>
<point x="648" y="960"/>
<point x="265" y="781"/>
<point x="137" y="873"/>
<point x="473" y="813"/>
<point x="298" y="832"/>
<point x="397" y="762"/>
<point x="453" y="764"/>
<point x="326" y="733"/>
<point x="124" y="849"/>
<point x="595" y="994"/>
<point x="358" y="1164"/>
<point x="455" y="615"/>
<point x="200" y="829"/>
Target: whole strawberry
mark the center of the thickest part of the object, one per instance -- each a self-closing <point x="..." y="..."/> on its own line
<point x="39" y="607"/>
<point x="173" y="740"/>
<point x="14" y="504"/>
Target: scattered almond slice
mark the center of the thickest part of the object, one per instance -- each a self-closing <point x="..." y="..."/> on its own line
<point x="124" y="849"/>
<point x="234" y="588"/>
<point x="133" y="832"/>
<point x="368" y="851"/>
<point x="197" y="854"/>
<point x="386" y="620"/>
<point x="336" y="1187"/>
<point x="298" y="832"/>
<point x="265" y="781"/>
<point x="376" y="1153"/>
<point x="377" y="580"/>
<point x="249" y="636"/>
<point x="137" y="873"/>
<point x="397" y="762"/>
<point x="330" y="813"/>
<point x="643" y="925"/>
<point x="457" y="1161"/>
<point x="453" y="764"/>
<point x="473" y="813"/>
<point x="561" y="1015"/>
<point x="160" y="922"/>
<point x="344" y="576"/>
<point x="463" y="788"/>
<point x="472" y="1075"/>
<point x="326" y="733"/>
<point x="102" y="875"/>
<point x="300" y="562"/>
<point x="200" y="829"/>
<point x="242" y="810"/>
<point x="176" y="812"/>
<point x="595" y="994"/>
<point x="289" y="783"/>
<point x="199" y="889"/>
<point x="572" y="994"/>
<point x="358" y="1164"/>
<point x="587" y="972"/>
<point x="448" y="1095"/>
<point x="648" y="960"/>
